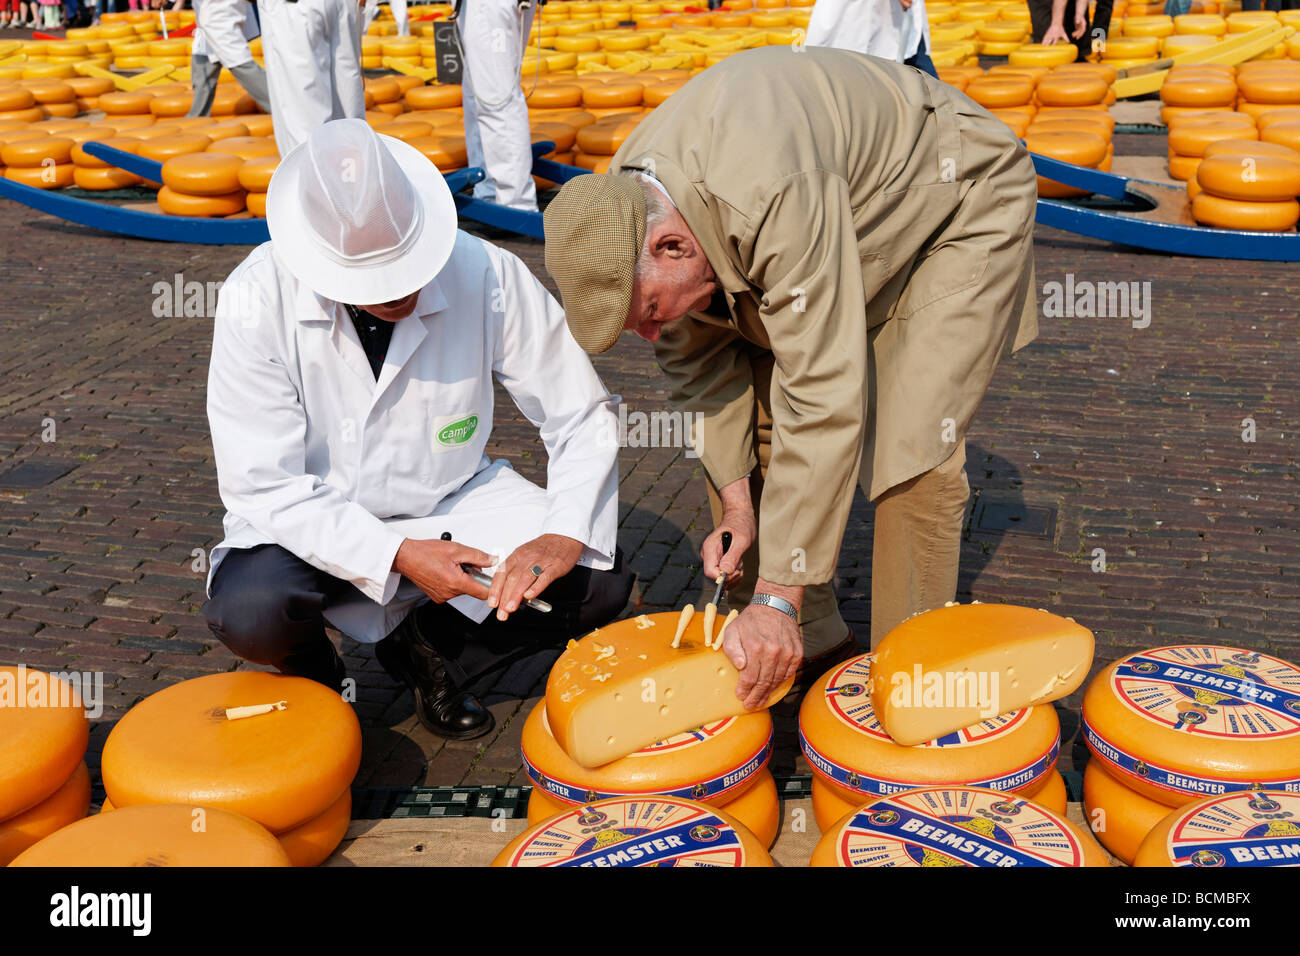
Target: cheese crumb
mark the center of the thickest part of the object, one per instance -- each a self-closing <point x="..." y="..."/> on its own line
<point x="642" y="622"/>
<point x="603" y="677"/>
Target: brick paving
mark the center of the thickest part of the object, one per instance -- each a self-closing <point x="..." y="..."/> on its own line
<point x="1133" y="436"/>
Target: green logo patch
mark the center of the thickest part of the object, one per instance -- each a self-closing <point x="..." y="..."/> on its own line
<point x="458" y="432"/>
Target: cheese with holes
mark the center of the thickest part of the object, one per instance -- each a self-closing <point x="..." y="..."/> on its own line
<point x="1119" y="817"/>
<point x="954" y="666"/>
<point x="714" y="764"/>
<point x="66" y="805"/>
<point x="43" y="736"/>
<point x="850" y="752"/>
<point x="956" y="826"/>
<point x="624" y="687"/>
<point x="281" y="768"/>
<point x="162" y="835"/>
<point x="1180" y="723"/>
<point x="1254" y="828"/>
<point x="637" y="831"/>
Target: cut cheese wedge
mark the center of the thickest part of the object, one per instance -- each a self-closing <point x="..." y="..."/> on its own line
<point x="162" y="835"/>
<point x="954" y="666"/>
<point x="625" y="687"/>
<point x="1255" y="828"/>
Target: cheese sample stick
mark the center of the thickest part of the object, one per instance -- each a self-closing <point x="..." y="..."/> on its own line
<point x="683" y="622"/>
<point x="254" y="710"/>
<point x="710" y="615"/>
<point x="731" y="616"/>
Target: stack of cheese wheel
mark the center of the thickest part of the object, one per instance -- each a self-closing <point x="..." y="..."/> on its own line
<point x="1266" y="86"/>
<point x="92" y="173"/>
<point x="44" y="783"/>
<point x="385" y="96"/>
<point x="853" y="760"/>
<point x="289" y="769"/>
<point x="1190" y="134"/>
<point x="955" y="826"/>
<point x="597" y="143"/>
<point x="55" y="98"/>
<point x="1174" y="724"/>
<point x="1071" y="88"/>
<point x="160" y="835"/>
<point x="1007" y="96"/>
<point x="722" y="764"/>
<point x="1243" y="184"/>
<point x="1254" y="828"/>
<point x="637" y="831"/>
<point x="1000" y="37"/>
<point x="1035" y="54"/>
<point x="563" y="135"/>
<point x="959" y="76"/>
<point x="201" y="184"/>
<point x="17" y="103"/>
<point x="1119" y="817"/>
<point x="255" y="179"/>
<point x="1082" y="147"/>
<point x="1192" y="89"/>
<point x="44" y="162"/>
<point x="1124" y="52"/>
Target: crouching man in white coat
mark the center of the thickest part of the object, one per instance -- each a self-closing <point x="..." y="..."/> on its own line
<point x="350" y="397"/>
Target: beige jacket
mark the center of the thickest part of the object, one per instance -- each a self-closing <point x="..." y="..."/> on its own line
<point x="823" y="187"/>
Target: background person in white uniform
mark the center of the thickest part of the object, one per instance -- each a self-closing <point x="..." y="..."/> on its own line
<point x="221" y="34"/>
<point x="890" y="29"/>
<point x="350" y="396"/>
<point x="493" y="34"/>
<point x="312" y="50"/>
<point x="399" y="16"/>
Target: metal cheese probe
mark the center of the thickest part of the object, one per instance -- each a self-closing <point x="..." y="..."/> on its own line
<point x="721" y="579"/>
<point x="486" y="580"/>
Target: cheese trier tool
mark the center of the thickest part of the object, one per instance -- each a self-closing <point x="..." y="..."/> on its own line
<point x="721" y="579"/>
<point x="711" y="609"/>
<point x="537" y="604"/>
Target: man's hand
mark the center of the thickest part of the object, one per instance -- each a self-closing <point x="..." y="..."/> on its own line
<point x="905" y="4"/>
<point x="1055" y="34"/>
<point x="744" y="529"/>
<point x="765" y="646"/>
<point x="1080" y="20"/>
<point x="435" y="567"/>
<point x="514" y="581"/>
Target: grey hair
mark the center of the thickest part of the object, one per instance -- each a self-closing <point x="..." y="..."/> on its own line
<point x="657" y="211"/>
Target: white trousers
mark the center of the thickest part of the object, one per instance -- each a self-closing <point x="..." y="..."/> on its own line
<point x="313" y="65"/>
<point x="493" y="34"/>
<point x="399" y="15"/>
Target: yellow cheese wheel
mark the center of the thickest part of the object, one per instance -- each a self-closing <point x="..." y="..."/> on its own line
<point x="659" y="92"/>
<point x="90" y="85"/>
<point x="87" y="132"/>
<point x="125" y="103"/>
<point x="445" y="152"/>
<point x="1249" y="147"/>
<point x="392" y="109"/>
<point x="66" y="805"/>
<point x="612" y="95"/>
<point x="1026" y="656"/>
<point x="713" y="763"/>
<point x="561" y="134"/>
<point x="43" y="177"/>
<point x="282" y="768"/>
<point x="1183" y="168"/>
<point x="16" y="98"/>
<point x="256" y="204"/>
<point x="1169" y="115"/>
<point x="575" y="118"/>
<point x="1204" y="90"/>
<point x="65" y="110"/>
<point x="1256" y="110"/>
<point x="96" y="180"/>
<point x="385" y="90"/>
<point x="1190" y="139"/>
<point x="590" y="704"/>
<point x="35" y="152"/>
<point x="1069" y="126"/>
<point x="1267" y="88"/>
<point x="603" y="138"/>
<point x="1283" y="134"/>
<point x="849" y="751"/>
<point x="637" y="831"/>
<point x="1237" y="214"/>
<point x="1255" y="828"/>
<point x="407" y="130"/>
<point x="1002" y="31"/>
<point x="1175" y="723"/>
<point x="1130" y="48"/>
<point x="201" y="173"/>
<point x="83" y="159"/>
<point x="1200" y="24"/>
<point x="1000" y="91"/>
<point x="171" y="104"/>
<point x="1256" y="178"/>
<point x="32" y="115"/>
<point x="257" y="124"/>
<point x="1091" y="114"/>
<point x="955" y="826"/>
<point x="1052" y="794"/>
<point x="596" y="164"/>
<point x="1174" y="45"/>
<point x="1120" y="818"/>
<point x="1071" y="90"/>
<point x="311" y="843"/>
<point x="1157" y="26"/>
<point x="433" y="97"/>
<point x="163" y="148"/>
<point x="1035" y="54"/>
<point x="159" y="835"/>
<point x="222" y="130"/>
<point x="51" y="91"/>
<point x="555" y="96"/>
<point x="246" y="147"/>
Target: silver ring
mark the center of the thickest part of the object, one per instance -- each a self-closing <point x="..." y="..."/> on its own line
<point x="537" y="570"/>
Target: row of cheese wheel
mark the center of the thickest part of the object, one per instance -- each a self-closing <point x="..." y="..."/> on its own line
<point x="44" y="783"/>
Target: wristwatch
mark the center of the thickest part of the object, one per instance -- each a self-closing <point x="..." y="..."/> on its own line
<point x="780" y="604"/>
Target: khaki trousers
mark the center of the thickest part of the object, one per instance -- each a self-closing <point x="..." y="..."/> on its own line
<point x="915" y="548"/>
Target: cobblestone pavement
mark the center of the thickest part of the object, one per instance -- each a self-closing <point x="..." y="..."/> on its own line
<point x="1130" y="438"/>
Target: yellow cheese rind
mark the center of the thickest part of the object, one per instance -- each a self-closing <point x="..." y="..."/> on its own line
<point x="646" y="691"/>
<point x="43" y="737"/>
<point x="66" y="805"/>
<point x="951" y="667"/>
<point x="1120" y="818"/>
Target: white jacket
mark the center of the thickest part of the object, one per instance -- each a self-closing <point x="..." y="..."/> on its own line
<point x="314" y="455"/>
<point x="223" y="29"/>
<point x="877" y="27"/>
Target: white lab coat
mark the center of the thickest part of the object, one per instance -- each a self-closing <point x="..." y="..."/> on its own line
<point x="222" y="31"/>
<point x="399" y="16"/>
<point x="314" y="455"/>
<point x="312" y="50"/>
<point x="879" y="27"/>
<point x="493" y="34"/>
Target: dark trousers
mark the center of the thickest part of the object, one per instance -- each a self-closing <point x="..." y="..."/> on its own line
<point x="268" y="606"/>
<point x="921" y="60"/>
<point x="1040" y="18"/>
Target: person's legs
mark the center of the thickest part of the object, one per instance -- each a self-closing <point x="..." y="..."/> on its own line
<point x="917" y="544"/>
<point x="203" y="76"/>
<point x="267" y="607"/>
<point x="296" y="44"/>
<point x="400" y="16"/>
<point x="253" y="79"/>
<point x="348" y="84"/>
<point x="921" y="60"/>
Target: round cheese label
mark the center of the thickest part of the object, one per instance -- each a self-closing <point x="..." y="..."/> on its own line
<point x="1252" y="828"/>
<point x="956" y="826"/>
<point x="634" y="831"/>
<point x="1207" y="691"/>
<point x="848" y="697"/>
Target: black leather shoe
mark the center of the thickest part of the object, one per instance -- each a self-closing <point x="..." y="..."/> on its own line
<point x="443" y="710"/>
